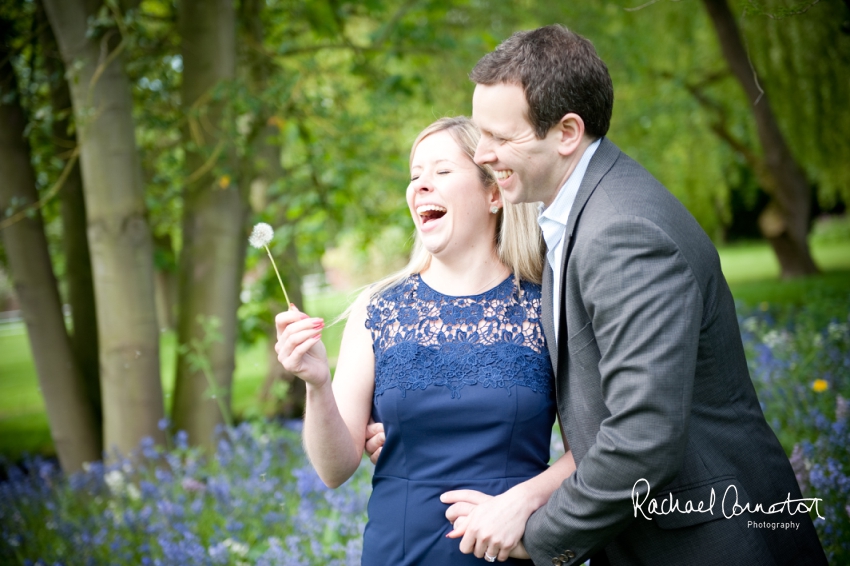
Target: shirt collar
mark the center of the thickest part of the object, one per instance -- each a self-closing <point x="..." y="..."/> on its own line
<point x="553" y="219"/>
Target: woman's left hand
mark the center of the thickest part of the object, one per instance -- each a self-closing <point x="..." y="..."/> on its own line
<point x="489" y="525"/>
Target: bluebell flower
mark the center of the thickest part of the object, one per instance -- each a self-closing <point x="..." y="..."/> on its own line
<point x="148" y="448"/>
<point x="181" y="440"/>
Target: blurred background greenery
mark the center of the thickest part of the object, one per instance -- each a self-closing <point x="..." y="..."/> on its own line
<point x="310" y="127"/>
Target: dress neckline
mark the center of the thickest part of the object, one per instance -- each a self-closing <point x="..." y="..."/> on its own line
<point x="504" y="282"/>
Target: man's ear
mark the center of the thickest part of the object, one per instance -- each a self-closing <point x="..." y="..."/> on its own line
<point x="571" y="133"/>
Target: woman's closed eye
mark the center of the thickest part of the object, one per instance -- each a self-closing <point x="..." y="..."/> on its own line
<point x="440" y="172"/>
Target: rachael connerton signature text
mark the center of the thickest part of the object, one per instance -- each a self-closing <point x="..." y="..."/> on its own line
<point x="730" y="506"/>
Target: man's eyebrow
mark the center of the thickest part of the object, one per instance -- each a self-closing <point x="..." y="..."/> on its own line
<point x="493" y="134"/>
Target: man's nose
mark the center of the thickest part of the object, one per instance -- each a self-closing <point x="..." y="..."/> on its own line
<point x="483" y="153"/>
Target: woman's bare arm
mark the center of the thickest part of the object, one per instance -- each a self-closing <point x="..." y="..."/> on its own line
<point x="337" y="411"/>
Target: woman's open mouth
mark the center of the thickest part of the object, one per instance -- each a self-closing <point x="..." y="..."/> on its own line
<point x="429" y="212"/>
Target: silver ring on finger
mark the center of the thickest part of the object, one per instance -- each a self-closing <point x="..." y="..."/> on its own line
<point x="489" y="558"/>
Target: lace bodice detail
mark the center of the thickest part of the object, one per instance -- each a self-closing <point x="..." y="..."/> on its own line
<point x="423" y="338"/>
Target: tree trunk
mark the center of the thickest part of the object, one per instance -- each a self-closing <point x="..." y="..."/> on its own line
<point x="72" y="423"/>
<point x="785" y="222"/>
<point x="212" y="258"/>
<point x="119" y="236"/>
<point x="263" y="170"/>
<point x="84" y="339"/>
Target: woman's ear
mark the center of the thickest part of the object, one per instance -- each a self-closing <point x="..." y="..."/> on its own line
<point x="571" y="130"/>
<point x="495" y="200"/>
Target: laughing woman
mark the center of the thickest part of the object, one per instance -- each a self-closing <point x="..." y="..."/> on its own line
<point x="449" y="355"/>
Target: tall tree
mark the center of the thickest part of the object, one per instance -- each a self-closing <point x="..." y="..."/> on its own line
<point x="215" y="210"/>
<point x="785" y="222"/>
<point x="73" y="425"/>
<point x="78" y="272"/>
<point x="119" y="236"/>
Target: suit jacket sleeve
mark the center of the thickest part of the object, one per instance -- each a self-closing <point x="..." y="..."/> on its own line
<point x="645" y="309"/>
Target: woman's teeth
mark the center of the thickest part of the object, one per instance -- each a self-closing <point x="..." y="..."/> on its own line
<point x="504" y="174"/>
<point x="430" y="212"/>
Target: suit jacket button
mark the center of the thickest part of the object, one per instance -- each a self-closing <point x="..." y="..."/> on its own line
<point x="570" y="554"/>
<point x="557" y="561"/>
<point x="563" y="557"/>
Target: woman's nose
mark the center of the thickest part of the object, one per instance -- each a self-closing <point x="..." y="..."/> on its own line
<point x="422" y="184"/>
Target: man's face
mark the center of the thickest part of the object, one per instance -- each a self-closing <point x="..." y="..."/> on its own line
<point x="528" y="169"/>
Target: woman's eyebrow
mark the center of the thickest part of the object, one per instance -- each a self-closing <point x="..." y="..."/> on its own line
<point x="443" y="160"/>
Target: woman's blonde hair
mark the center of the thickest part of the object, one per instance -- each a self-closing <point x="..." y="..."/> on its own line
<point x="519" y="243"/>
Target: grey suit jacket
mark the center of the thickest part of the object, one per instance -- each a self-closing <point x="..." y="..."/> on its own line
<point x="652" y="385"/>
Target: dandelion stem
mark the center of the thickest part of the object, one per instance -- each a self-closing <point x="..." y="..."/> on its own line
<point x="285" y="296"/>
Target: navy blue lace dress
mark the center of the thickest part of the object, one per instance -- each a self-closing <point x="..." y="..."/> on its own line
<point x="464" y="388"/>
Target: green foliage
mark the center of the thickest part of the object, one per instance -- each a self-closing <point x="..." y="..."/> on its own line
<point x="831" y="230"/>
<point x="802" y="54"/>
<point x="197" y="355"/>
<point x="338" y="90"/>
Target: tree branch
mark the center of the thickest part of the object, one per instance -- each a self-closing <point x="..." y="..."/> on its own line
<point x="642" y="6"/>
<point x="54" y="190"/>
<point x="720" y="128"/>
<point x="802" y="9"/>
<point x="396" y="18"/>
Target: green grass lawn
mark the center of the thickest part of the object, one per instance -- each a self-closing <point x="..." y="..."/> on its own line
<point x="751" y="270"/>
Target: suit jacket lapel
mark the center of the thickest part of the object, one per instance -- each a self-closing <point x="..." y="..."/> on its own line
<point x="547" y="315"/>
<point x="603" y="159"/>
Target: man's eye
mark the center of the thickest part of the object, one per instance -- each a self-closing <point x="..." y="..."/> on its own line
<point x="414" y="178"/>
<point x="443" y="172"/>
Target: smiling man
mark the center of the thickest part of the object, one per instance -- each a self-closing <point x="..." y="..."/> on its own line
<point x="652" y="386"/>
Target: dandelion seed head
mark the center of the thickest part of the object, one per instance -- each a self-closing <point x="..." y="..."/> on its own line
<point x="261" y="235"/>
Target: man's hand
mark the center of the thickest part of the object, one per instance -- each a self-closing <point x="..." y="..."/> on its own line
<point x="491" y="525"/>
<point x="375" y="439"/>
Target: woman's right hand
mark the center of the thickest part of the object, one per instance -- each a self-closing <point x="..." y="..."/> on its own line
<point x="299" y="346"/>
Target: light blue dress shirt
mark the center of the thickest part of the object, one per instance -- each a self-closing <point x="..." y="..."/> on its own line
<point x="553" y="222"/>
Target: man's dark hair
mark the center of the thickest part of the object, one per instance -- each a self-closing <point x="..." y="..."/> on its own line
<point x="560" y="73"/>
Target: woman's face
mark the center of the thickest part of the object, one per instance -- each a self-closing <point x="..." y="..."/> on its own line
<point x="449" y="204"/>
